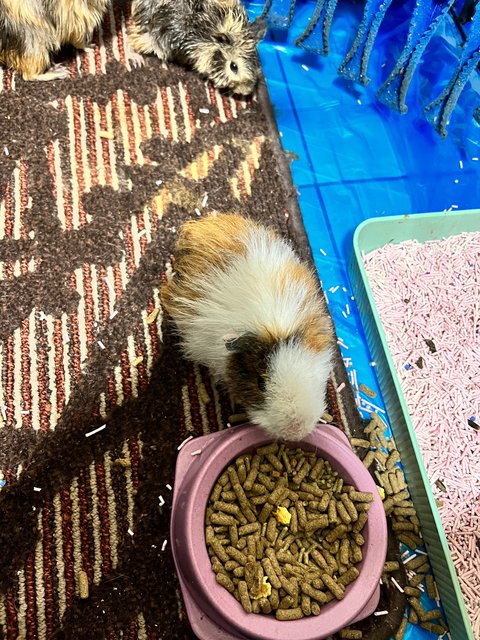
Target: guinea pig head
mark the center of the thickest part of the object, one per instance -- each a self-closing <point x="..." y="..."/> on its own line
<point x="281" y="384"/>
<point x="226" y="49"/>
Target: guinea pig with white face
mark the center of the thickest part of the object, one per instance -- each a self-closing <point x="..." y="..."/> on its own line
<point x="215" y="37"/>
<point x="246" y="306"/>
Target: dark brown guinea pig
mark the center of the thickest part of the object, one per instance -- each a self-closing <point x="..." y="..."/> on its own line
<point x="215" y="37"/>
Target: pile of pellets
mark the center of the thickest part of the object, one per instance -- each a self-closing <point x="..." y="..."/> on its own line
<point x="381" y="456"/>
<point x="283" y="531"/>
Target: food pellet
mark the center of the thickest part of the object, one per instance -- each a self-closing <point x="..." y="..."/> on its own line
<point x="289" y="614"/>
<point x="316" y="594"/>
<point x="432" y="614"/>
<point x="274" y="599"/>
<point x="360" y="442"/>
<point x="244" y="597"/>
<point x="438" y="629"/>
<point x="418" y="579"/>
<point x="283" y="531"/>
<point x="401" y="630"/>
<point x="344" y="552"/>
<point x="286" y="602"/>
<point x="271" y="573"/>
<point x="334" y="587"/>
<point x="415" y="563"/>
<point x="241" y="470"/>
<point x="343" y="514"/>
<point x="431" y="589"/>
<point x="391" y="565"/>
<point x="369" y="458"/>
<point x="349" y="506"/>
<point x="417" y="607"/>
<point x="225" y="581"/>
<point x="351" y="634"/>
<point x="349" y="576"/>
<point x="265" y="605"/>
<point x="252" y="474"/>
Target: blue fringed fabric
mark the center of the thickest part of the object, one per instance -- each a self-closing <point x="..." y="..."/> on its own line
<point x="439" y="111"/>
<point x="428" y="18"/>
<point x="315" y="36"/>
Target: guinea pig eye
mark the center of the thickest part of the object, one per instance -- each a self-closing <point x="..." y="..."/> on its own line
<point x="261" y="383"/>
<point x="233" y="67"/>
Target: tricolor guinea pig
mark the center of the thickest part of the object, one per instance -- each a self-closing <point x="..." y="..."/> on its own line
<point x="249" y="309"/>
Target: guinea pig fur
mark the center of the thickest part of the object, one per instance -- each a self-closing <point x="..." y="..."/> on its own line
<point x="245" y="306"/>
<point x="215" y="37"/>
<point x="32" y="30"/>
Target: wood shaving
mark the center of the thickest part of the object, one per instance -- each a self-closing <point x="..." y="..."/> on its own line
<point x="152" y="316"/>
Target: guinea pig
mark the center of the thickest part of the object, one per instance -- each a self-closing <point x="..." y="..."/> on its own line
<point x="215" y="37"/>
<point x="250" y="310"/>
<point x="32" y="30"/>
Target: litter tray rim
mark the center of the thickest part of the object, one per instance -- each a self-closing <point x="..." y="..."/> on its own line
<point x="410" y="227"/>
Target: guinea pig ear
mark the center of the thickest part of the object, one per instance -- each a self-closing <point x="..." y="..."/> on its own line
<point x="258" y="29"/>
<point x="236" y="341"/>
<point x="229" y="341"/>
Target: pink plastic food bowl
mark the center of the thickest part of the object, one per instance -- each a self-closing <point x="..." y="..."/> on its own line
<point x="213" y="612"/>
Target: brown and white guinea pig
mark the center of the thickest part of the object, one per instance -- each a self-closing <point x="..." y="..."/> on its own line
<point x="215" y="37"/>
<point x="245" y="306"/>
<point x="32" y="30"/>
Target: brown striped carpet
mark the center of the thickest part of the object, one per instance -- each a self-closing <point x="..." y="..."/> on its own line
<point x="96" y="173"/>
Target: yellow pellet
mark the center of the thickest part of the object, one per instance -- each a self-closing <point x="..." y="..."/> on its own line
<point x="282" y="515"/>
<point x="83" y="587"/>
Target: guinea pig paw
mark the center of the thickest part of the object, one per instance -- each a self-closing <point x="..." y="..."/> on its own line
<point x="135" y="60"/>
<point x="56" y="72"/>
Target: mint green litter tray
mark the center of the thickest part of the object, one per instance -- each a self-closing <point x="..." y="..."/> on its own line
<point x="373" y="234"/>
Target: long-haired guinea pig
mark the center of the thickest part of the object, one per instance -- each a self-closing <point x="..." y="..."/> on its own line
<point x="245" y="306"/>
<point x="32" y="30"/>
<point x="215" y="37"/>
